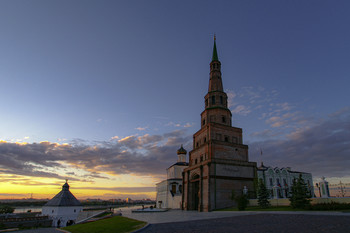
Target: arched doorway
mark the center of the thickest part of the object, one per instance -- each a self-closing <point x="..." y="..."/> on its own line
<point x="194" y="193"/>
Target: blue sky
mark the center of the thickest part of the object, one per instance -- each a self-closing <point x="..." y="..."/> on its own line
<point x="91" y="73"/>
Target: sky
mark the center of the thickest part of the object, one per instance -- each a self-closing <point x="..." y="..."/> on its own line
<point x="103" y="93"/>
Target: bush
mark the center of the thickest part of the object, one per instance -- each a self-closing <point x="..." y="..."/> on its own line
<point x="242" y="202"/>
<point x="6" y="209"/>
<point x="330" y="206"/>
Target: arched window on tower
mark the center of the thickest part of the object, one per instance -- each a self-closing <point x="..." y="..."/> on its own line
<point x="213" y="99"/>
<point x="223" y="119"/>
<point x="221" y="100"/>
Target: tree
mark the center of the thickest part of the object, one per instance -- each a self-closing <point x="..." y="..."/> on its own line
<point x="299" y="194"/>
<point x="263" y="195"/>
<point x="6" y="209"/>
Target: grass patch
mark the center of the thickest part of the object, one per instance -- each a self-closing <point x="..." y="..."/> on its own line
<point x="110" y="225"/>
<point x="103" y="214"/>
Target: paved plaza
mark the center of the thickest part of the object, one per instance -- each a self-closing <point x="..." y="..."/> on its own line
<point x="236" y="221"/>
<point x="182" y="216"/>
<point x="259" y="223"/>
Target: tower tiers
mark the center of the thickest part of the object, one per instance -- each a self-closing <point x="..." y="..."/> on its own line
<point x="218" y="163"/>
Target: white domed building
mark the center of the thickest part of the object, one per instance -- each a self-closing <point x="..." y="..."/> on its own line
<point x="63" y="208"/>
<point x="169" y="191"/>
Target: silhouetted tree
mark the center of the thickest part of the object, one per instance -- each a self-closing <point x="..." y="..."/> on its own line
<point x="263" y="195"/>
<point x="6" y="209"/>
<point x="299" y="194"/>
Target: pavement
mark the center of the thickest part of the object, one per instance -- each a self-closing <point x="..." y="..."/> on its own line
<point x="258" y="223"/>
<point x="178" y="221"/>
<point x="182" y="216"/>
<point x="235" y="221"/>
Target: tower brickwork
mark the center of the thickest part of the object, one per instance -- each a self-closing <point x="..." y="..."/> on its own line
<point x="218" y="163"/>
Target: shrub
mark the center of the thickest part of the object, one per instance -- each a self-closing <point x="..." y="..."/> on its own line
<point x="6" y="209"/>
<point x="242" y="202"/>
<point x="330" y="206"/>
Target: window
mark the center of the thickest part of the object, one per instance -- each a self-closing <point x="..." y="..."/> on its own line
<point x="226" y="138"/>
<point x="234" y="139"/>
<point x="206" y="102"/>
<point x="205" y="139"/>
<point x="278" y="182"/>
<point x="201" y="158"/>
<point x="284" y="182"/>
<point x="75" y="210"/>
<point x="204" y="122"/>
<point x="53" y="211"/>
<point x="271" y="182"/>
<point x="197" y="144"/>
<point x="221" y="100"/>
<point x="223" y="119"/>
<point x="173" y="188"/>
<point x="213" y="99"/>
<point x="195" y="161"/>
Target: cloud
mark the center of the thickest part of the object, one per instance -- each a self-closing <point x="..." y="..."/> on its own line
<point x="145" y="155"/>
<point x="249" y="99"/>
<point x="115" y="138"/>
<point x="322" y="149"/>
<point x="121" y="189"/>
<point x="188" y="125"/>
<point x="267" y="133"/>
<point x="241" y="110"/>
<point x="141" y="128"/>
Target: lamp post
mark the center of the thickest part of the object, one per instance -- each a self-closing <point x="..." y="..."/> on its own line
<point x="319" y="189"/>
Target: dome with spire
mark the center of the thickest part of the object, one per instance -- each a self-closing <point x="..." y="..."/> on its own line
<point x="181" y="150"/>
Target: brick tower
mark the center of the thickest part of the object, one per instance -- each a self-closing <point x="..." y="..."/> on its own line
<point x="218" y="163"/>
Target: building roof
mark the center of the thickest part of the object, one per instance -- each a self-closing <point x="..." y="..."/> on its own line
<point x="215" y="53"/>
<point x="179" y="164"/>
<point x="64" y="198"/>
<point x="288" y="169"/>
<point x="262" y="167"/>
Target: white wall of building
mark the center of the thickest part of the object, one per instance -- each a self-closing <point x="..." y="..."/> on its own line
<point x="63" y="214"/>
<point x="279" y="181"/>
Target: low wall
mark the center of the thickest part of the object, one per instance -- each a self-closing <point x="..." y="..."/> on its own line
<point x="285" y="201"/>
<point x="27" y="222"/>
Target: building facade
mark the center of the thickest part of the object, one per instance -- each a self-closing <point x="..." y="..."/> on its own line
<point x="63" y="208"/>
<point x="169" y="191"/>
<point x="218" y="164"/>
<point x="279" y="180"/>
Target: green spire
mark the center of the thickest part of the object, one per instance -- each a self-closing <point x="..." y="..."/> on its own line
<point x="215" y="53"/>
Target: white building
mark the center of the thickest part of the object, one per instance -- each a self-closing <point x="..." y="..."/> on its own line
<point x="279" y="180"/>
<point x="63" y="208"/>
<point x="169" y="191"/>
